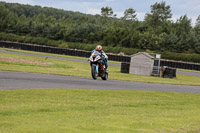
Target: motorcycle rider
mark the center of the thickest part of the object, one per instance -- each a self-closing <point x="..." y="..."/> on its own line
<point x="103" y="54"/>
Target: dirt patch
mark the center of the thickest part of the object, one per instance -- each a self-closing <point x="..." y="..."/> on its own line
<point x="9" y="59"/>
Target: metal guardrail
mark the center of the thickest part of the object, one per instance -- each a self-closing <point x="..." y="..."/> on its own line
<point x="82" y="53"/>
<point x="181" y="65"/>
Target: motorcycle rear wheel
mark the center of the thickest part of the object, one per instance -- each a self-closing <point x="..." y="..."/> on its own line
<point x="105" y="77"/>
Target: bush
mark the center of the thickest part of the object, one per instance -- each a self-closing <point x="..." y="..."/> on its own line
<point x="181" y="57"/>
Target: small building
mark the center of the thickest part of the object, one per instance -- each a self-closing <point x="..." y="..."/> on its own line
<point x="141" y="64"/>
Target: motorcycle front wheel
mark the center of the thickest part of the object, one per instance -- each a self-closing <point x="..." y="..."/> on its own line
<point x="94" y="72"/>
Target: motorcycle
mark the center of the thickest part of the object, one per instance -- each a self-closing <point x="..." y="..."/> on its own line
<point x="98" y="67"/>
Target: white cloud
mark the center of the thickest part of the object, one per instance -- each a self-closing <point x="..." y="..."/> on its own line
<point x="93" y="11"/>
<point x="181" y="7"/>
<point x="140" y="15"/>
<point x="119" y="14"/>
<point x="84" y="7"/>
<point x="110" y="0"/>
<point x="19" y="1"/>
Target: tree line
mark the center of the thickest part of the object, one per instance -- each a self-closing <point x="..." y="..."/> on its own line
<point x="157" y="32"/>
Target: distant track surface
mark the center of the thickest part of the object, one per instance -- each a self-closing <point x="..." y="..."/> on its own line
<point x="20" y="80"/>
<point x="80" y="60"/>
<point x="55" y="57"/>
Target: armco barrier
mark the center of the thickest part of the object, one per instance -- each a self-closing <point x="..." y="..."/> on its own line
<point x="181" y="65"/>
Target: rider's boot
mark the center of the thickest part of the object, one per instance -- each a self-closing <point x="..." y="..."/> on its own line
<point x="106" y="68"/>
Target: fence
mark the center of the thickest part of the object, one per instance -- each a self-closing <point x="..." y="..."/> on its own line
<point x="181" y="65"/>
<point x="82" y="53"/>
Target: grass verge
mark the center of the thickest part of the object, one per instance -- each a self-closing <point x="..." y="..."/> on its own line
<point x="81" y="69"/>
<point x="84" y="110"/>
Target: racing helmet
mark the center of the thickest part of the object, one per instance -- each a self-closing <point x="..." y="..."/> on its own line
<point x="98" y="48"/>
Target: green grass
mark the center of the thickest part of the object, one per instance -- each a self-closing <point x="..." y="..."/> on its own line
<point x="85" y="110"/>
<point x="81" y="69"/>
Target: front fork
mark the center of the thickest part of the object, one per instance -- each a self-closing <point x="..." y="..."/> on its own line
<point x="96" y="66"/>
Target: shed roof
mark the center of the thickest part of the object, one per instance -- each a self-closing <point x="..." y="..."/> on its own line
<point x="144" y="53"/>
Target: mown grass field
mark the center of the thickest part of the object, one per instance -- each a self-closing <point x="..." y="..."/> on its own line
<point x="81" y="69"/>
<point x="84" y="110"/>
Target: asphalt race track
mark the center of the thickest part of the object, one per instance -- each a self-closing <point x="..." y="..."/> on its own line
<point x="20" y="80"/>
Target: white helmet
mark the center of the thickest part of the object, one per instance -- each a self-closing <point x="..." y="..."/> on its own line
<point x="98" y="48"/>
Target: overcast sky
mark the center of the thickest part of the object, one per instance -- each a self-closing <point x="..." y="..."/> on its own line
<point x="178" y="7"/>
